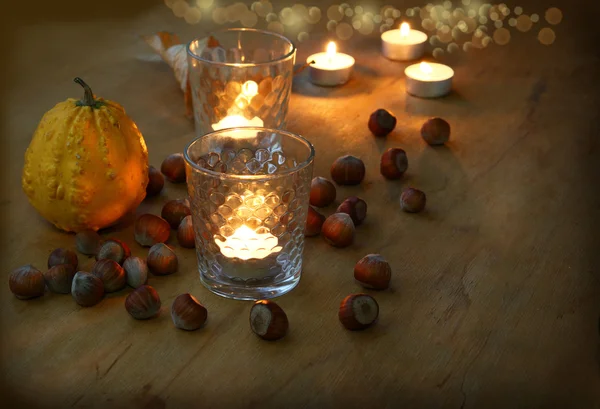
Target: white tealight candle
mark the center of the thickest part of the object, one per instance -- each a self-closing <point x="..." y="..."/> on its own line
<point x="249" y="90"/>
<point x="403" y="44"/>
<point x="246" y="244"/>
<point x="428" y="80"/>
<point x="330" y="68"/>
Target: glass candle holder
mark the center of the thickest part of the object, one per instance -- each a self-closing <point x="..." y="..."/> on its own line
<point x="249" y="191"/>
<point x="240" y="77"/>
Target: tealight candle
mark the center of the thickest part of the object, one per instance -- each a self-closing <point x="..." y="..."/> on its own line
<point x="428" y="80"/>
<point x="247" y="244"/>
<point x="403" y="44"/>
<point x="330" y="68"/>
<point x="233" y="120"/>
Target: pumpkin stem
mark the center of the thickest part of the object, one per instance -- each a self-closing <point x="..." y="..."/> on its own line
<point x="88" y="97"/>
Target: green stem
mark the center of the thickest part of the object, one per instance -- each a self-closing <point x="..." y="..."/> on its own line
<point x="88" y="97"/>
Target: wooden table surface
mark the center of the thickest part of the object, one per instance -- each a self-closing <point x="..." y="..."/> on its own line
<point x="494" y="301"/>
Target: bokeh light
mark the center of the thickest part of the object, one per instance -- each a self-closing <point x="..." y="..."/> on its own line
<point x="553" y="16"/>
<point x="546" y="36"/>
<point x="452" y="26"/>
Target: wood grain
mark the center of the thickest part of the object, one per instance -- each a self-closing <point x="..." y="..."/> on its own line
<point x="494" y="300"/>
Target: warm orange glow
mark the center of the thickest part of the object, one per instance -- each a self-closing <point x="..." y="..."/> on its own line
<point x="331" y="50"/>
<point x="426" y="68"/>
<point x="250" y="89"/>
<point x="404" y="29"/>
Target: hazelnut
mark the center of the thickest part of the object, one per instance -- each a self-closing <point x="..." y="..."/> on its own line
<point x="382" y="122"/>
<point x="26" y="282"/>
<point x="372" y="271"/>
<point x="185" y="233"/>
<point x="161" y="260"/>
<point x="136" y="271"/>
<point x="113" y="249"/>
<point x="63" y="256"/>
<point x="314" y="222"/>
<point x="358" y="311"/>
<point x="173" y="167"/>
<point x="111" y="273"/>
<point x="143" y="303"/>
<point x="187" y="313"/>
<point x="268" y="320"/>
<point x="156" y="182"/>
<point x="436" y="131"/>
<point x="322" y="192"/>
<point x="150" y="229"/>
<point x="412" y="200"/>
<point x="174" y="212"/>
<point x="338" y="230"/>
<point x="393" y="163"/>
<point x="88" y="242"/>
<point x="354" y="207"/>
<point x="60" y="278"/>
<point x="87" y="289"/>
<point x="348" y="170"/>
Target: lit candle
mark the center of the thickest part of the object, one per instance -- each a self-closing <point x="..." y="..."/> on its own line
<point x="403" y="44"/>
<point x="234" y="119"/>
<point x="428" y="80"/>
<point x="330" y="68"/>
<point x="247" y="244"/>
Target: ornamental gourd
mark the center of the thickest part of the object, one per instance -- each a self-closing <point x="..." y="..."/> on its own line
<point x="87" y="164"/>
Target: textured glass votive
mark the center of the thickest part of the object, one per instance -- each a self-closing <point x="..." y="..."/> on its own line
<point x="249" y="190"/>
<point x="240" y="77"/>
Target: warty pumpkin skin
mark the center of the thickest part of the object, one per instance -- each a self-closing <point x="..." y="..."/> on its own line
<point x="86" y="165"/>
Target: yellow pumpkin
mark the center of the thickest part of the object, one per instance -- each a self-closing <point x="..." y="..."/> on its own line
<point x="87" y="164"/>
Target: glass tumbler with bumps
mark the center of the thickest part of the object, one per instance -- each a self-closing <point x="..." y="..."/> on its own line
<point x="240" y="77"/>
<point x="249" y="189"/>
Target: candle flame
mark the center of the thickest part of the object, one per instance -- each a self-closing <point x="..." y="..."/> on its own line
<point x="331" y="49"/>
<point x="404" y="29"/>
<point x="250" y="89"/>
<point x="426" y="68"/>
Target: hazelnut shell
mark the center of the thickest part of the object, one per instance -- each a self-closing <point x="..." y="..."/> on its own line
<point x="268" y="320"/>
<point x="185" y="233"/>
<point x="150" y="229"/>
<point x="111" y="273"/>
<point x="322" y="192"/>
<point x="436" y="131"/>
<point x="143" y="303"/>
<point x="187" y="313"/>
<point x="382" y="122"/>
<point x="63" y="256"/>
<point x="338" y="230"/>
<point x="174" y="211"/>
<point x="358" y="311"/>
<point x="314" y="222"/>
<point x="156" y="182"/>
<point x="412" y="200"/>
<point x="393" y="163"/>
<point x="348" y="170"/>
<point x="59" y="279"/>
<point x="161" y="260"/>
<point x="373" y="271"/>
<point x="87" y="242"/>
<point x="355" y="207"/>
<point x="173" y="167"/>
<point x="136" y="271"/>
<point x="26" y="282"/>
<point x="87" y="289"/>
<point x="115" y="250"/>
